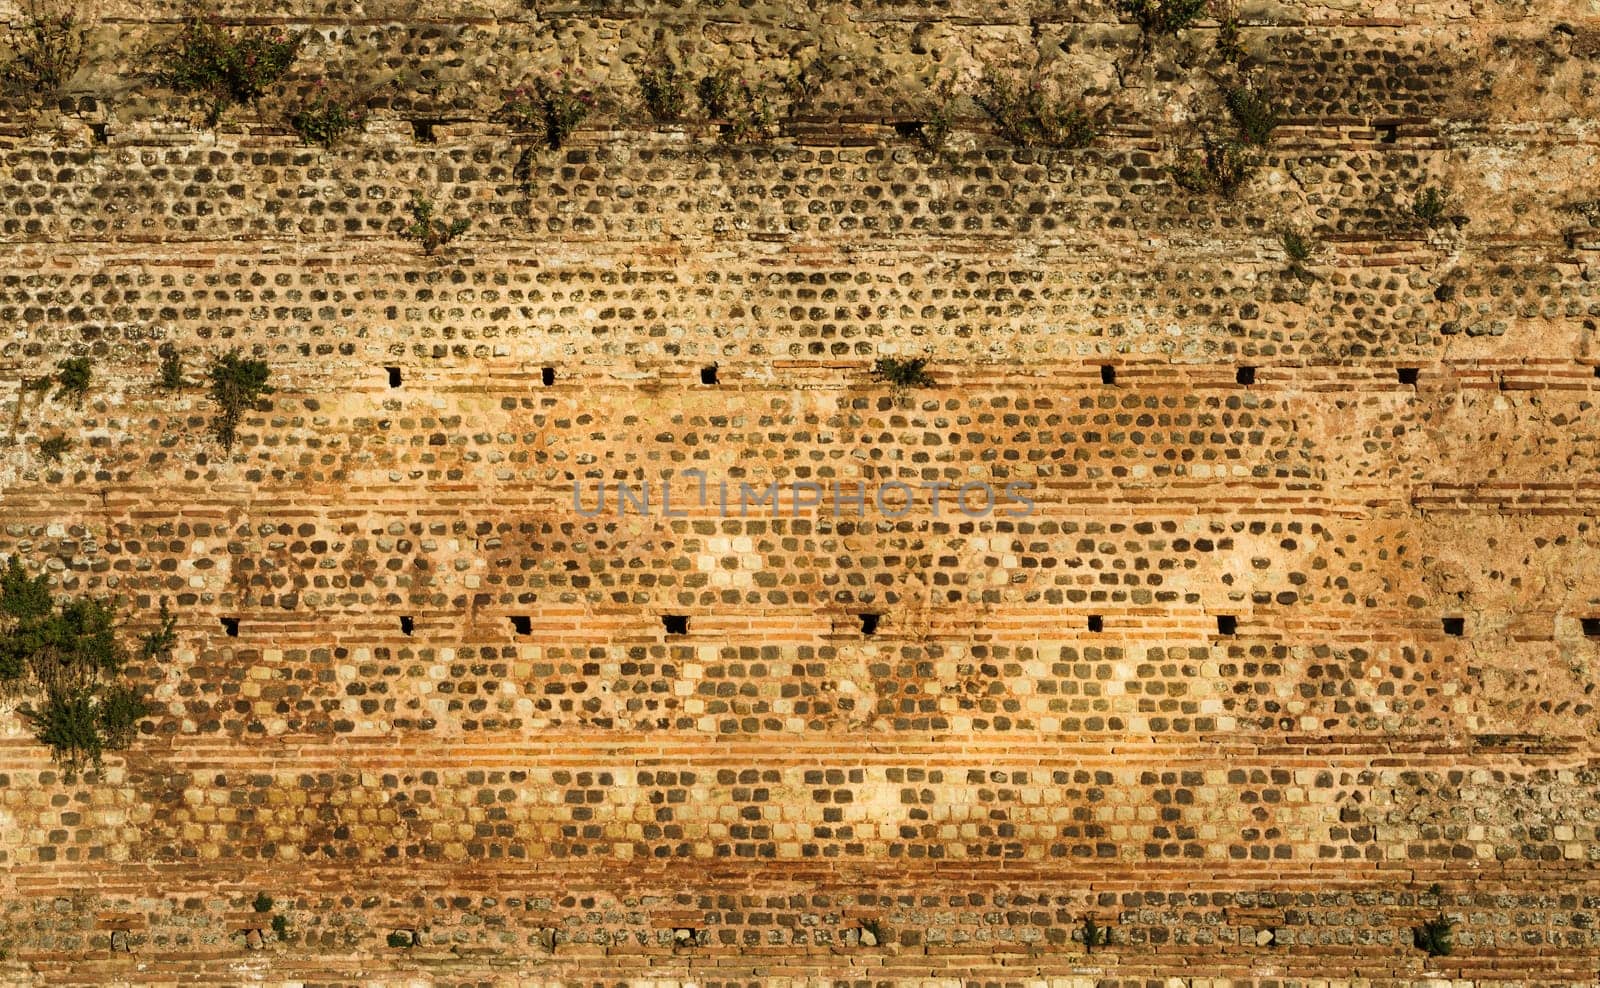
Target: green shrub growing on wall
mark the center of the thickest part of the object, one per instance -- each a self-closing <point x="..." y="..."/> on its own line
<point x="221" y="67"/>
<point x="662" y="86"/>
<point x="934" y="131"/>
<point x="47" y="49"/>
<point x="68" y="653"/>
<point x="550" y="109"/>
<point x="903" y="372"/>
<point x="1436" y="936"/>
<point x="327" y="116"/>
<point x="73" y="375"/>
<point x="1230" y="44"/>
<point x="1029" y="114"/>
<point x="745" y="108"/>
<point x="1094" y="935"/>
<point x="429" y="230"/>
<point x="1253" y="113"/>
<point x="1221" y="168"/>
<point x="171" y="367"/>
<point x="1431" y="206"/>
<point x="1157" y="17"/>
<point x="237" y="383"/>
<point x="716" y="91"/>
<point x="50" y="450"/>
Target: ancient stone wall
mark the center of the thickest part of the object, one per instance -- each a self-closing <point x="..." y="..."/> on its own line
<point x="1204" y="693"/>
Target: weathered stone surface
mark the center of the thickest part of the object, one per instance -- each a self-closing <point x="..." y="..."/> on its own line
<point x="1210" y="693"/>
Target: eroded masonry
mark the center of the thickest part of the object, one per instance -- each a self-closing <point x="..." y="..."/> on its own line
<point x="312" y="316"/>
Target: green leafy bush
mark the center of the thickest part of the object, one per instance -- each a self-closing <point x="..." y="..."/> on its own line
<point x="51" y="449"/>
<point x="171" y="367"/>
<point x="1094" y="935"/>
<point x="1221" y="168"/>
<point x="326" y="117"/>
<point x="935" y="130"/>
<point x="1430" y="206"/>
<point x="745" y="108"/>
<point x="161" y="640"/>
<point x="280" y="927"/>
<point x="68" y="652"/>
<point x="222" y="67"/>
<point x="402" y="938"/>
<point x="804" y="83"/>
<point x="550" y="109"/>
<point x="47" y="50"/>
<point x="429" y="230"/>
<point x="1029" y="114"/>
<point x="1296" y="246"/>
<point x="1157" y="17"/>
<point x="1436" y="936"/>
<point x="262" y="903"/>
<point x="716" y="90"/>
<point x="903" y="372"/>
<point x="1254" y="114"/>
<point x="73" y="375"/>
<point x="662" y="86"/>
<point x="237" y="384"/>
<point x="1229" y="44"/>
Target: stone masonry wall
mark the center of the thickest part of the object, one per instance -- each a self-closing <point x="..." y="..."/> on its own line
<point x="448" y="705"/>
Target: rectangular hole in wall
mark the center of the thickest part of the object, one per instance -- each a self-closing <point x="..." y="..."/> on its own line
<point x="522" y="624"/>
<point x="1227" y="624"/>
<point x="1591" y="626"/>
<point x="1108" y="374"/>
<point x="1096" y="623"/>
<point x="422" y="130"/>
<point x="407" y="625"/>
<point x="1245" y="375"/>
<point x="394" y="376"/>
<point x="1408" y="375"/>
<point x="98" y="132"/>
<point x="547" y="376"/>
<point x="675" y="624"/>
<point x="1454" y="626"/>
<point x="231" y="626"/>
<point x="869" y="623"/>
<point x="708" y="375"/>
<point x="908" y="128"/>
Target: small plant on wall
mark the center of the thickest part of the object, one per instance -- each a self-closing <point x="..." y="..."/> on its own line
<point x="52" y="449"/>
<point x="744" y="108"/>
<point x="73" y="375"/>
<point x="1220" y="168"/>
<point x="1094" y="935"/>
<point x="1032" y="113"/>
<point x="429" y="230"/>
<point x="1158" y="17"/>
<point x="171" y="378"/>
<point x="237" y="384"/>
<point x="939" y="117"/>
<point x="903" y="372"/>
<point x="222" y="67"/>
<point x="1255" y="113"/>
<point x="46" y="48"/>
<point x="662" y="86"/>
<point x="1431" y="207"/>
<point x="66" y="656"/>
<point x="327" y="116"/>
<point x="1436" y="936"/>
<point x="548" y="110"/>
